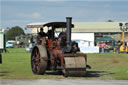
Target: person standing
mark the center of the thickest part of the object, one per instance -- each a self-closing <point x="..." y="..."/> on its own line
<point x="119" y="44"/>
<point x="105" y="47"/>
<point x="102" y="47"/>
<point x="99" y="45"/>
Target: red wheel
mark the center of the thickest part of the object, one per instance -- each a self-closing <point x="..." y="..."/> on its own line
<point x="37" y="63"/>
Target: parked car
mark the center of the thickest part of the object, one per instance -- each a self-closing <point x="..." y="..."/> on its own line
<point x="27" y="48"/>
<point x="9" y="45"/>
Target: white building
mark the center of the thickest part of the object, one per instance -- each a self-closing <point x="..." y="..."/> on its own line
<point x="90" y="31"/>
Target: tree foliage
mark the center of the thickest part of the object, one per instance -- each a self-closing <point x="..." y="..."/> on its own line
<point x="110" y="21"/>
<point x="13" y="32"/>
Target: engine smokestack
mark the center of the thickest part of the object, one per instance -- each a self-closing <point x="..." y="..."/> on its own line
<point x="68" y="31"/>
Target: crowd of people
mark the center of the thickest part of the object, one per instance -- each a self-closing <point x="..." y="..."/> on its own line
<point x="103" y="47"/>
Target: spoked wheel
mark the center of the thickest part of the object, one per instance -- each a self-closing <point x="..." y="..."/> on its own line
<point x="37" y="63"/>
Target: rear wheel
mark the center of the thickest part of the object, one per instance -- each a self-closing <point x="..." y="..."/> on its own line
<point x="38" y="64"/>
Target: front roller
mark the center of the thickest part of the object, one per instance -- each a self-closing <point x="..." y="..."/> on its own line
<point x="38" y="64"/>
<point x="74" y="66"/>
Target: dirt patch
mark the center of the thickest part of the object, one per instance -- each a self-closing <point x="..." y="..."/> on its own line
<point x="115" y="61"/>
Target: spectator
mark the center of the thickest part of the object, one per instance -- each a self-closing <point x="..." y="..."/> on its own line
<point x="106" y="48"/>
<point x="102" y="47"/>
<point x="99" y="44"/>
<point x="118" y="46"/>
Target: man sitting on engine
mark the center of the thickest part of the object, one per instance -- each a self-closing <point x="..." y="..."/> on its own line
<point x="40" y="35"/>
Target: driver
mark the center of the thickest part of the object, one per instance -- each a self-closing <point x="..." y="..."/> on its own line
<point x="42" y="33"/>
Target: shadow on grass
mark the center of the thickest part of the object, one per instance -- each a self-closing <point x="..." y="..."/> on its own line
<point x="97" y="73"/>
<point x="88" y="74"/>
<point x="4" y="73"/>
<point x="54" y="73"/>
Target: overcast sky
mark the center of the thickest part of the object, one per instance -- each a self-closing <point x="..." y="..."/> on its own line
<point x="22" y="12"/>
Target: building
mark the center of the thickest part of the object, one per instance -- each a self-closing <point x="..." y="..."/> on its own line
<point x="101" y="29"/>
<point x="98" y="29"/>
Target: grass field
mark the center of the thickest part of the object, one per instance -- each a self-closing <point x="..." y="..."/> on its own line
<point x="16" y="65"/>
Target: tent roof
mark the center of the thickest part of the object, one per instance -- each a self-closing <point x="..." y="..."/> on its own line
<point x="105" y="39"/>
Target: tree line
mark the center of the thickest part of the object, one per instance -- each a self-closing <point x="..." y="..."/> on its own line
<point x="13" y="32"/>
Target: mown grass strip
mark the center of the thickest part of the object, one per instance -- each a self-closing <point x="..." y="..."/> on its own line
<point x="107" y="66"/>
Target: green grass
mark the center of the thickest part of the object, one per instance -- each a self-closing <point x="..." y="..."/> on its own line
<point x="16" y="65"/>
<point x="109" y="66"/>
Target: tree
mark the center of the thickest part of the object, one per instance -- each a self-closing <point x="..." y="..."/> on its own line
<point x="13" y="32"/>
<point x="110" y="21"/>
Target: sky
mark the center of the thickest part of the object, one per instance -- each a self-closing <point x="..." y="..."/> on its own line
<point x="23" y="12"/>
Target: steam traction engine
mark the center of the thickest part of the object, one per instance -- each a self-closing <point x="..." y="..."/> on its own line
<point x="58" y="53"/>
